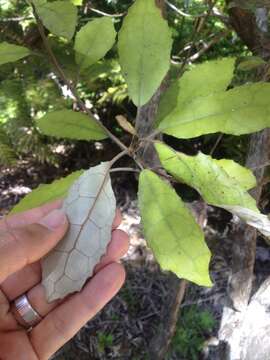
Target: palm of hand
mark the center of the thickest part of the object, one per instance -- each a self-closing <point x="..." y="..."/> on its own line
<point x="23" y="241"/>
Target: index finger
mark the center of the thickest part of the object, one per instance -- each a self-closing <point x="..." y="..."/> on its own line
<point x="34" y="215"/>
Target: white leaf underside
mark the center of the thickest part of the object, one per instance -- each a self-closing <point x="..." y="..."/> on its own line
<point x="90" y="207"/>
<point x="259" y="221"/>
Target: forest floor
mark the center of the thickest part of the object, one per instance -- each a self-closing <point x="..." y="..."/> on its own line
<point x="126" y="326"/>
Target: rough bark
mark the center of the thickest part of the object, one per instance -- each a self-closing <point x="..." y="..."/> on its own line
<point x="237" y="331"/>
<point x="145" y="119"/>
<point x="145" y="125"/>
<point x="250" y="27"/>
<point x="233" y="330"/>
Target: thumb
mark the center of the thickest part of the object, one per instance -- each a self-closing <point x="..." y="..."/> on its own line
<point x="24" y="245"/>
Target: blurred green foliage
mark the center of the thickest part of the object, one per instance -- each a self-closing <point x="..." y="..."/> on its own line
<point x="192" y="331"/>
<point x="104" y="341"/>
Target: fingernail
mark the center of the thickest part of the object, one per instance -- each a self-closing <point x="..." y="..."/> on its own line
<point x="54" y="219"/>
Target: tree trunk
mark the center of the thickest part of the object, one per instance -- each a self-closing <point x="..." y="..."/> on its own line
<point x="242" y="326"/>
<point x="159" y="345"/>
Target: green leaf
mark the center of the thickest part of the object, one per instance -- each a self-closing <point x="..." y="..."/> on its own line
<point x="214" y="184"/>
<point x="70" y="125"/>
<point x="47" y="193"/>
<point x="93" y="41"/>
<point x="204" y="174"/>
<point x="77" y="2"/>
<point x="171" y="231"/>
<point x="241" y="174"/>
<point x="59" y="17"/>
<point x="200" y="80"/>
<point x="11" y="52"/>
<point x="242" y="110"/>
<point x="251" y="63"/>
<point x="144" y="49"/>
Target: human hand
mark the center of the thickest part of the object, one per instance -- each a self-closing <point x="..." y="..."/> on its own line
<point x="24" y="239"/>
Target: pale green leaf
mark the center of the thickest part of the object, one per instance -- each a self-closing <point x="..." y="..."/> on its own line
<point x="206" y="176"/>
<point x="251" y="63"/>
<point x="59" y="17"/>
<point x="93" y="41"/>
<point x="242" y="110"/>
<point x="90" y="207"/>
<point x="77" y="2"/>
<point x="171" y="230"/>
<point x="214" y="184"/>
<point x="144" y="50"/>
<point x="45" y="193"/>
<point x="11" y="52"/>
<point x="200" y="80"/>
<point x="70" y="125"/>
<point x="241" y="174"/>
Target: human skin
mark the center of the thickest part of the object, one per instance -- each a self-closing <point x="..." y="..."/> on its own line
<point x="26" y="238"/>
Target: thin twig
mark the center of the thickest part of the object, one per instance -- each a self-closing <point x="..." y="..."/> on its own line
<point x="214" y="12"/>
<point x="182" y="13"/>
<point x="207" y="46"/>
<point x="125" y="169"/>
<point x="106" y="14"/>
<point x="119" y="156"/>
<point x="216" y="144"/>
<point x="69" y="84"/>
<point x="16" y="19"/>
<point x="260" y="166"/>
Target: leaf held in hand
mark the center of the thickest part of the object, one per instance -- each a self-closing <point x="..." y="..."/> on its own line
<point x="93" y="41"/>
<point x="144" y="50"/>
<point x="45" y="193"/>
<point x="214" y="184"/>
<point x="59" y="17"/>
<point x="70" y="125"/>
<point x="90" y="207"/>
<point x="171" y="230"/>
<point x="11" y="52"/>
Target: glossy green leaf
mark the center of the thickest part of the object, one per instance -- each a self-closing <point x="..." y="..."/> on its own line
<point x="59" y="17"/>
<point x="93" y="41"/>
<point x="216" y="187"/>
<point x="11" y="52"/>
<point x="90" y="207"/>
<point x="241" y="174"/>
<point x="70" y="125"/>
<point x="199" y="81"/>
<point x="45" y="193"/>
<point x="242" y="110"/>
<point x="144" y="49"/>
<point x="171" y="230"/>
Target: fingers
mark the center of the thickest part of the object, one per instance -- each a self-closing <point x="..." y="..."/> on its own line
<point x="29" y="276"/>
<point x="36" y="296"/>
<point x="116" y="249"/>
<point x="24" y="245"/>
<point x="29" y="217"/>
<point x="64" y="322"/>
<point x="117" y="220"/>
<point x="23" y="280"/>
